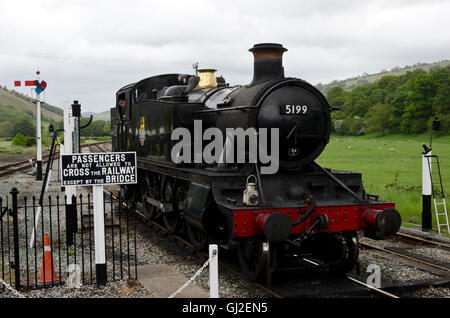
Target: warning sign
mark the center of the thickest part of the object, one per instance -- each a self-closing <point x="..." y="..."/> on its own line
<point x="88" y="169"/>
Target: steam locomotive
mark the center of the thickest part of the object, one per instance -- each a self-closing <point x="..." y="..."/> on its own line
<point x="302" y="212"/>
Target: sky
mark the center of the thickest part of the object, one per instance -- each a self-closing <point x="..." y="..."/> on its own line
<point x="87" y="50"/>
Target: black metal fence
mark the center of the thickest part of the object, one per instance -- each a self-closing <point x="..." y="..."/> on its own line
<point x="27" y="263"/>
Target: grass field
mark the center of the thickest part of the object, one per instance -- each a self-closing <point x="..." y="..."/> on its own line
<point x="391" y="166"/>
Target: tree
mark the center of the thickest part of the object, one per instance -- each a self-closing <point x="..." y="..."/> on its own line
<point x="388" y="82"/>
<point x="378" y="118"/>
<point x="6" y="129"/>
<point x="441" y="103"/>
<point x="418" y="104"/>
<point x="413" y="99"/>
<point x="23" y="125"/>
<point x="397" y="101"/>
<point x="336" y="96"/>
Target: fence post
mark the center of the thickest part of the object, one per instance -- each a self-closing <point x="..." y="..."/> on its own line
<point x="213" y="271"/>
<point x="14" y="192"/>
<point x="71" y="219"/>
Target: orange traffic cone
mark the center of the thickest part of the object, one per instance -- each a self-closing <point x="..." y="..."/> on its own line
<point x="47" y="264"/>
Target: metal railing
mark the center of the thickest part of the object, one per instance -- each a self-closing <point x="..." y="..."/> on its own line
<point x="24" y="266"/>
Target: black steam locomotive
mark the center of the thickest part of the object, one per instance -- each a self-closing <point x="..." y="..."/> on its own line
<point x="303" y="211"/>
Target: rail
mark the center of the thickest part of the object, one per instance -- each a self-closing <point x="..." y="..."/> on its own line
<point x="14" y="167"/>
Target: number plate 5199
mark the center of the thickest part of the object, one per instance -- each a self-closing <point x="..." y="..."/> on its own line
<point x="294" y="109"/>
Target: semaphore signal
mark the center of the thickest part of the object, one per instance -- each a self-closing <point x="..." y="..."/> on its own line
<point x="39" y="88"/>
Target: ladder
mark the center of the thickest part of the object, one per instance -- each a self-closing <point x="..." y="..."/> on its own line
<point x="440" y="207"/>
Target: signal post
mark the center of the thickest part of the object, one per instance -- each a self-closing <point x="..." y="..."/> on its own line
<point x="40" y="86"/>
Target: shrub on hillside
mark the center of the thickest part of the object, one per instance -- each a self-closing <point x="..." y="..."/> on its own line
<point x="24" y="126"/>
<point x="6" y="129"/>
<point x="356" y="126"/>
<point x="19" y="140"/>
<point x="30" y="141"/>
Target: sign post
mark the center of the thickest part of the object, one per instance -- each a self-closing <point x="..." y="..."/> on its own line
<point x="96" y="170"/>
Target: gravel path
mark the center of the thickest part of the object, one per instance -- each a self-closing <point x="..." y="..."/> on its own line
<point x="120" y="289"/>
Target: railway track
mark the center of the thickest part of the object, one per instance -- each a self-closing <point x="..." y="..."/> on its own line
<point x="15" y="167"/>
<point x="407" y="255"/>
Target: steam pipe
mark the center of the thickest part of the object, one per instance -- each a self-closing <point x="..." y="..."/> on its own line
<point x="310" y="211"/>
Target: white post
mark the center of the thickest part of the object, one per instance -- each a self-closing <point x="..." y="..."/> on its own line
<point x="426" y="191"/>
<point x="426" y="173"/>
<point x="213" y="271"/>
<point x="68" y="145"/>
<point x="38" y="135"/>
<point x="71" y="209"/>
<point x="99" y="234"/>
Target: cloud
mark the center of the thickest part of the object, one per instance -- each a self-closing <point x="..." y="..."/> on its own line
<point x="87" y="50"/>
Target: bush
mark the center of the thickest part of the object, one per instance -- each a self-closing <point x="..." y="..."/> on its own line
<point x="338" y="126"/>
<point x="6" y="129"/>
<point x="24" y="126"/>
<point x="356" y="126"/>
<point x="19" y="140"/>
<point x="30" y="141"/>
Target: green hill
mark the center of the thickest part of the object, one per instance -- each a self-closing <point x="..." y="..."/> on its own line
<point x="18" y="114"/>
<point x="350" y="83"/>
<point x="24" y="104"/>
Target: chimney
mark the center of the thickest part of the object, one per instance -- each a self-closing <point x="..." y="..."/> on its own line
<point x="268" y="62"/>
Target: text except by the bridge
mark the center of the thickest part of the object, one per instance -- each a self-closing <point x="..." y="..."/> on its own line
<point x="98" y="169"/>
